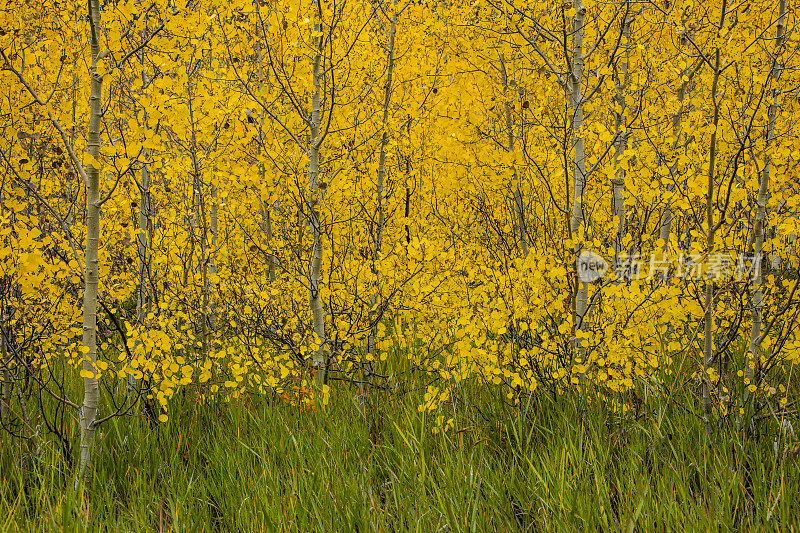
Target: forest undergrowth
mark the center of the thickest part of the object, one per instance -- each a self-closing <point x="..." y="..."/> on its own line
<point x="634" y="461"/>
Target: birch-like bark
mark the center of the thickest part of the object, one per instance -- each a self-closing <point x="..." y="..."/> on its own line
<point x="684" y="91"/>
<point x="708" y="335"/>
<point x="143" y="250"/>
<point x="621" y="126"/>
<point x="665" y="227"/>
<point x="266" y="210"/>
<point x="578" y="175"/>
<point x="378" y="239"/>
<point x="314" y="197"/>
<point x="202" y="225"/>
<point x="5" y="394"/>
<point x="212" y="258"/>
<point x="520" y="226"/>
<point x="88" y="412"/>
<point x="143" y="300"/>
<point x="143" y="245"/>
<point x="266" y="229"/>
<point x="8" y="385"/>
<point x="209" y="286"/>
<point x="407" y="207"/>
<point x="756" y="296"/>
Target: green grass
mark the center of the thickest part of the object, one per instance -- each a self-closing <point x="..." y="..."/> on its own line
<point x="259" y="464"/>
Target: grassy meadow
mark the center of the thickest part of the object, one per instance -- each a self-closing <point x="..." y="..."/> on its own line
<point x="556" y="462"/>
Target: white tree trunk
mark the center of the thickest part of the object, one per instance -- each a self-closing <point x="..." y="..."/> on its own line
<point x="520" y="224"/>
<point x="266" y="229"/>
<point x="379" y="186"/>
<point x="684" y="91"/>
<point x="143" y="246"/>
<point x="211" y="288"/>
<point x="88" y="411"/>
<point x="266" y="210"/>
<point x="143" y="300"/>
<point x="761" y="214"/>
<point x="314" y="198"/>
<point x="621" y="126"/>
<point x="708" y="334"/>
<point x="8" y="385"/>
<point x="578" y="173"/>
<point x="203" y="224"/>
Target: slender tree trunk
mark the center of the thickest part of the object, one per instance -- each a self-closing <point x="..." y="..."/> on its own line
<point x="520" y="226"/>
<point x="212" y="259"/>
<point x="667" y="215"/>
<point x="618" y="183"/>
<point x="407" y="209"/>
<point x="708" y="336"/>
<point x="756" y="296"/>
<point x="143" y="249"/>
<point x="665" y="226"/>
<point x="578" y="176"/>
<point x="266" y="228"/>
<point x="202" y="224"/>
<point x="88" y="412"/>
<point x="209" y="286"/>
<point x="8" y="384"/>
<point x="314" y="198"/>
<point x="266" y="210"/>
<point x="143" y="300"/>
<point x="378" y="240"/>
<point x="143" y="245"/>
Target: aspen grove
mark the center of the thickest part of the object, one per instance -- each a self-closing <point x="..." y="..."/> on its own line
<point x="312" y="202"/>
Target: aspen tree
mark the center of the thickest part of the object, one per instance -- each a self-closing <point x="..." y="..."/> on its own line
<point x="757" y="249"/>
<point x="377" y="243"/>
<point x="5" y="359"/>
<point x="708" y="312"/>
<point x="200" y="222"/>
<point x="717" y="198"/>
<point x="91" y="397"/>
<point x="144" y="235"/>
<point x="376" y="300"/>
<point x="520" y="225"/>
<point x="89" y="172"/>
<point x="578" y="175"/>
<point x="314" y="197"/>
<point x="8" y="384"/>
<point x="266" y="210"/>
<point x="306" y="126"/>
<point x="683" y="93"/>
<point x="621" y="131"/>
<point x="211" y="276"/>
